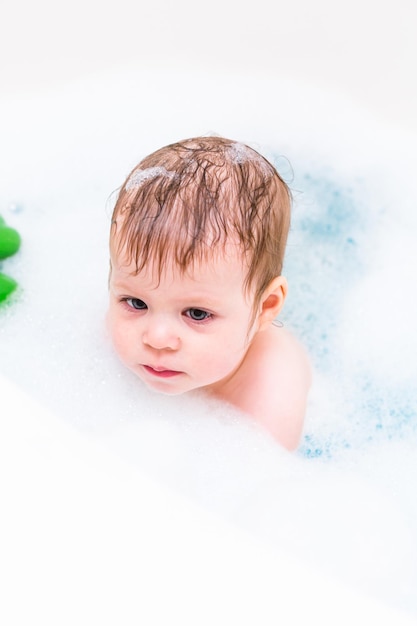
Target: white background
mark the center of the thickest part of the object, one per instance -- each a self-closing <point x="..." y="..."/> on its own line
<point x="364" y="49"/>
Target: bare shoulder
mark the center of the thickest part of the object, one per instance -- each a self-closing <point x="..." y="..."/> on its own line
<point x="278" y="348"/>
<point x="272" y="384"/>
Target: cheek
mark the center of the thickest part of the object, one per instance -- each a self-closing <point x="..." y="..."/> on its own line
<point x="108" y="321"/>
<point x="111" y="323"/>
<point x="118" y="333"/>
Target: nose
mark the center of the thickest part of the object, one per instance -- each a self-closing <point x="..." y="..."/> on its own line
<point x="160" y="334"/>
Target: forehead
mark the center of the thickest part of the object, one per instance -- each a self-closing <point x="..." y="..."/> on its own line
<point x="223" y="268"/>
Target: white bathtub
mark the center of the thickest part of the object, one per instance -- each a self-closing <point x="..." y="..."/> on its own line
<point x="121" y="507"/>
<point x="87" y="540"/>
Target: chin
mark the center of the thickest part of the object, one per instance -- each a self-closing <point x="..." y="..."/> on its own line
<point x="165" y="390"/>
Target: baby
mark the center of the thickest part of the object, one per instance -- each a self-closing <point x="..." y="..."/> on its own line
<point x="196" y="246"/>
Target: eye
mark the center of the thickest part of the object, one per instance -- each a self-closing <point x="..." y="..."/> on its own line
<point x="135" y="303"/>
<point x="198" y="315"/>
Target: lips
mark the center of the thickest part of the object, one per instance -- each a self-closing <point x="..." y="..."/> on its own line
<point x="160" y="372"/>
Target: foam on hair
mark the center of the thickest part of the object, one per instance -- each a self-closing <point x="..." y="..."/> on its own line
<point x="239" y="153"/>
<point x="139" y="176"/>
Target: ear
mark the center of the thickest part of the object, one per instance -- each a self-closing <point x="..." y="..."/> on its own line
<point x="272" y="301"/>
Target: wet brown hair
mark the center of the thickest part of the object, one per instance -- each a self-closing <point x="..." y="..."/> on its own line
<point x="190" y="198"/>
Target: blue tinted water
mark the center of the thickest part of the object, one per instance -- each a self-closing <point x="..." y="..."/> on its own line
<point x="332" y="229"/>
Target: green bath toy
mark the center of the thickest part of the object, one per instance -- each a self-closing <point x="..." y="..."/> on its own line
<point x="9" y="244"/>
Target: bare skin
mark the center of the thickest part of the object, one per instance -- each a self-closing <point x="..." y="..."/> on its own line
<point x="272" y="384"/>
<point x="197" y="331"/>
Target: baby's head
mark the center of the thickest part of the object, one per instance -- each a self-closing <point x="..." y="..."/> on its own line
<point x="191" y="200"/>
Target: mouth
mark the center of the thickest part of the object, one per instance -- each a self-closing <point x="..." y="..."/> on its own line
<point x="160" y="372"/>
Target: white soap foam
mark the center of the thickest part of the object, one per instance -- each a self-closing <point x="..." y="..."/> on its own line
<point x="139" y="176"/>
<point x="346" y="502"/>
